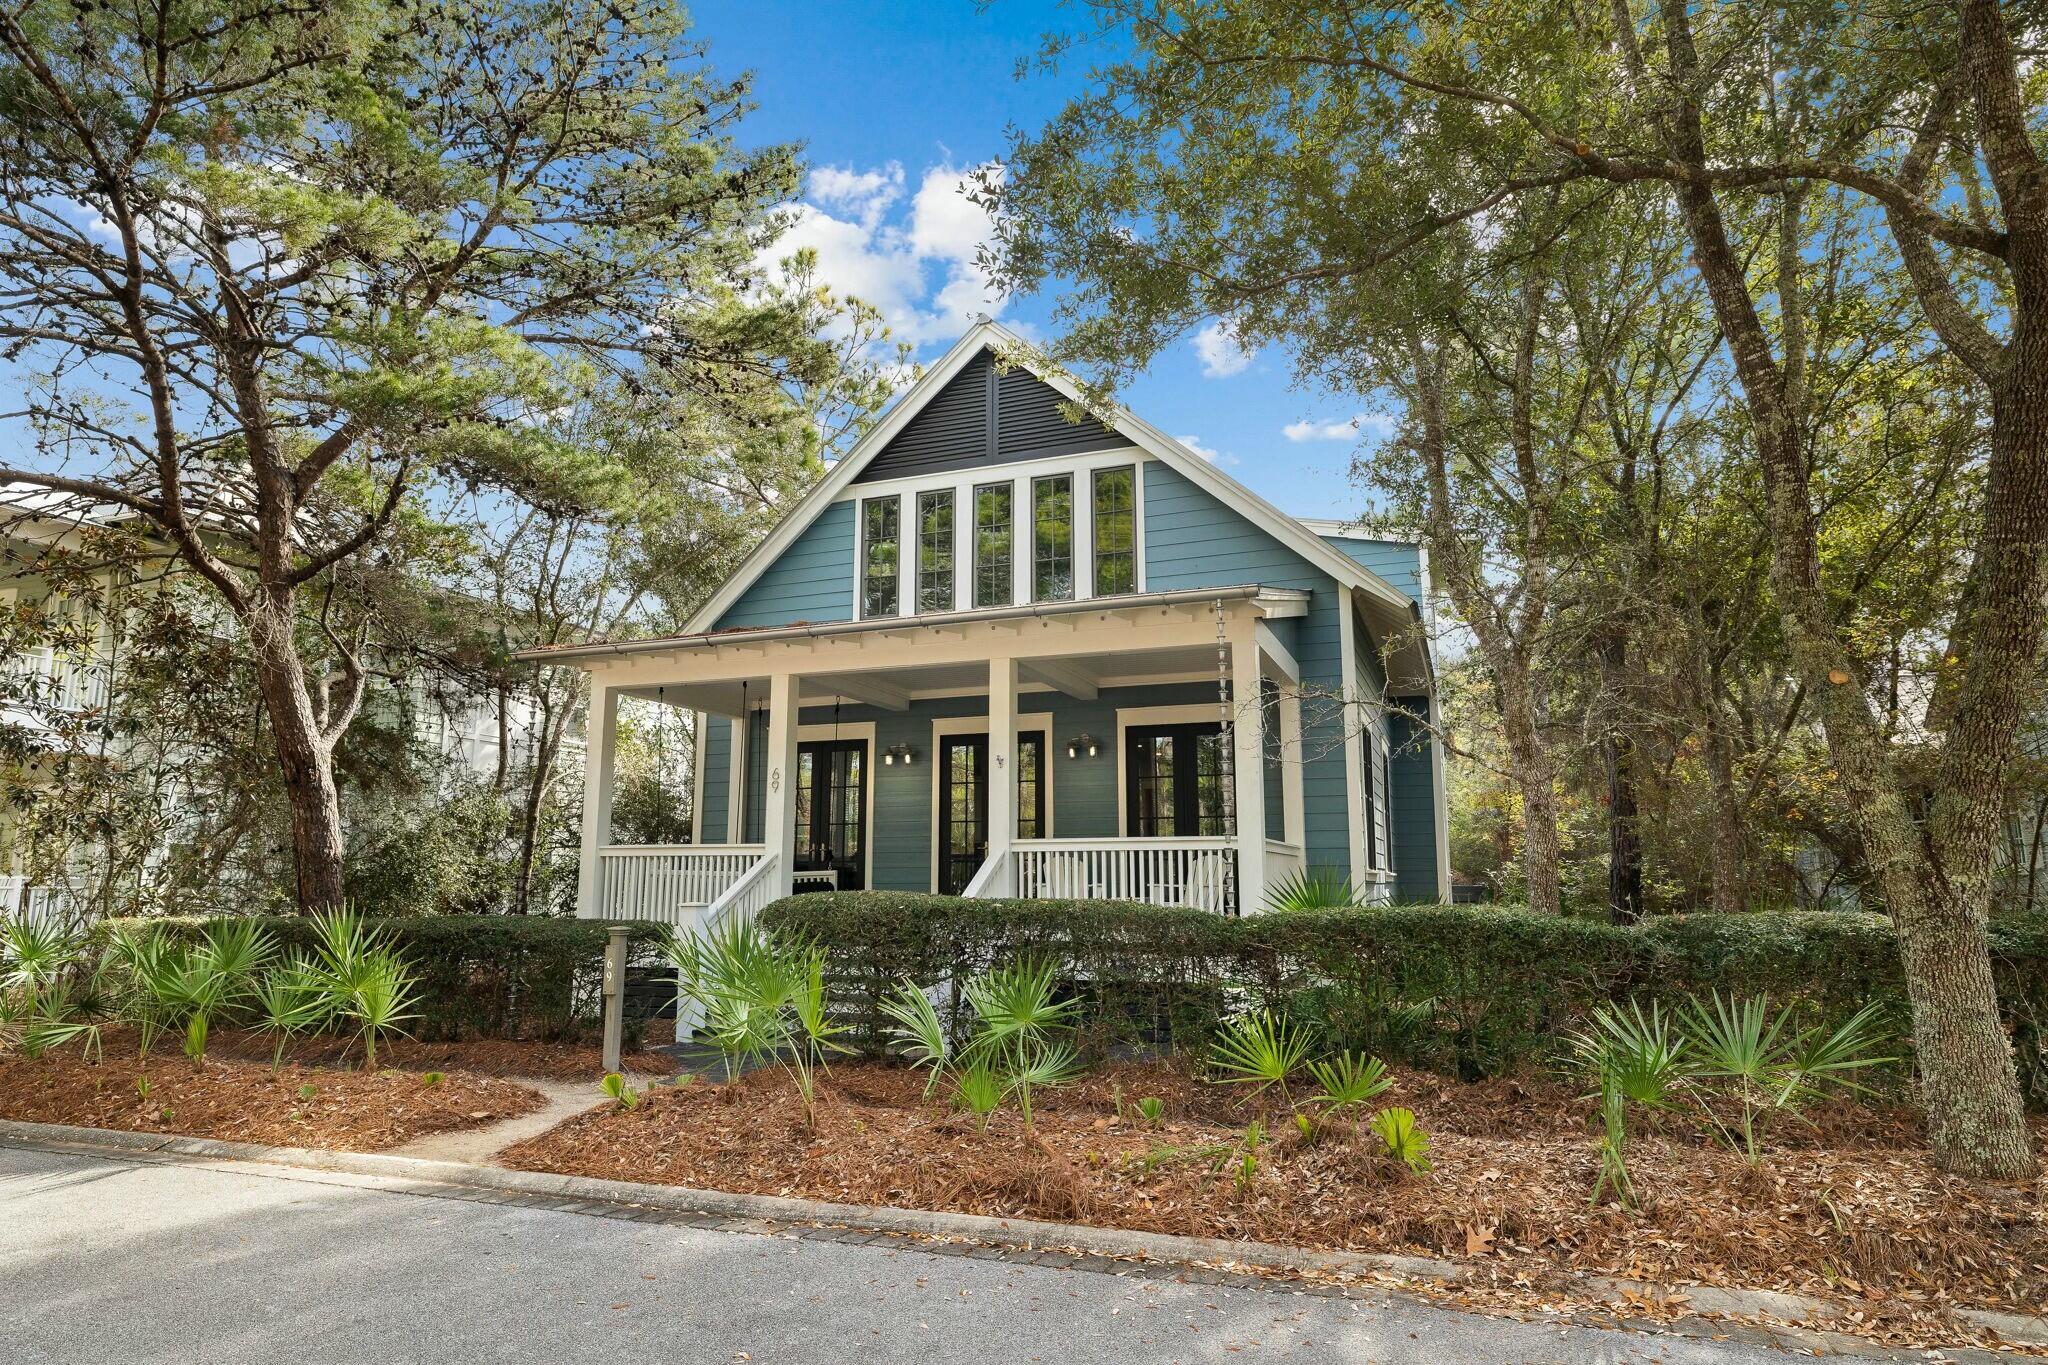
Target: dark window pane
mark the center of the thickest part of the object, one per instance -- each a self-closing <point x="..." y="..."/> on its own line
<point x="1031" y="786"/>
<point x="1052" y="538"/>
<point x="935" y="551"/>
<point x="993" y="533"/>
<point x="880" y="557"/>
<point x="1116" y="558"/>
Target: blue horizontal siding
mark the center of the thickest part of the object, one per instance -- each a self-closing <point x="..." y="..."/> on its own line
<point x="1192" y="540"/>
<point x="811" y="580"/>
<point x="1397" y="561"/>
<point x="717" y="742"/>
<point x="1411" y="775"/>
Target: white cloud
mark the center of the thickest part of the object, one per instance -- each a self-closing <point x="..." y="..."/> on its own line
<point x="915" y="261"/>
<point x="867" y="194"/>
<point x="1221" y="354"/>
<point x="1209" y="453"/>
<point x="1376" y="425"/>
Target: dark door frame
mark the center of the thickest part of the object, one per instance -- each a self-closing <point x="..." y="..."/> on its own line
<point x="1186" y="786"/>
<point x="977" y="740"/>
<point x="809" y="859"/>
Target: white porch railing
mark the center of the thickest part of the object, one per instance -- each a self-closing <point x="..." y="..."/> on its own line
<point x="21" y="900"/>
<point x="48" y="679"/>
<point x="1283" y="860"/>
<point x="744" y="899"/>
<point x="670" y="883"/>
<point x="1194" y="873"/>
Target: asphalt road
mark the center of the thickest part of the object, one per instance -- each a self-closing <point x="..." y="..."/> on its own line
<point x="112" y="1260"/>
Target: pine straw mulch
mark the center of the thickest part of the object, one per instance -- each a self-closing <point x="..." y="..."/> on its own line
<point x="482" y="1056"/>
<point x="241" y="1101"/>
<point x="1849" y="1210"/>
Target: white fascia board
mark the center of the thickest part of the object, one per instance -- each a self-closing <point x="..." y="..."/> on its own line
<point x="827" y="489"/>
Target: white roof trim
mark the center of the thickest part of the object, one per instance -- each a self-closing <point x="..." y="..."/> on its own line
<point x="1266" y="601"/>
<point x="1148" y="438"/>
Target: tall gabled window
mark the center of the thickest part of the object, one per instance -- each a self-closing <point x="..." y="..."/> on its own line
<point x="881" y="556"/>
<point x="1115" y="520"/>
<point x="1052" y="538"/>
<point x="935" y="591"/>
<point x="994" y="535"/>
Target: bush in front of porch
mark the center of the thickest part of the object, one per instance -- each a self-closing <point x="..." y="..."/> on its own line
<point x="1467" y="990"/>
<point x="483" y="976"/>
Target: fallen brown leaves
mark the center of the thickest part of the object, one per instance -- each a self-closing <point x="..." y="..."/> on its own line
<point x="1852" y="1209"/>
<point x="239" y="1101"/>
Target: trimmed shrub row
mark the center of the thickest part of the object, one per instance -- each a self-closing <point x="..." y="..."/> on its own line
<point x="491" y="976"/>
<point x="1465" y="989"/>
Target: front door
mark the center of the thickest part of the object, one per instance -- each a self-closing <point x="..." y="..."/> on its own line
<point x="963" y="802"/>
<point x="831" y="813"/>
<point x="963" y="810"/>
<point x="1173" y="781"/>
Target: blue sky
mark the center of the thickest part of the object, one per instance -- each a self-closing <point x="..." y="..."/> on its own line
<point x="892" y="101"/>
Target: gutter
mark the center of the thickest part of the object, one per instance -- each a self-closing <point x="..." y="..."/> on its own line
<point x="661" y="644"/>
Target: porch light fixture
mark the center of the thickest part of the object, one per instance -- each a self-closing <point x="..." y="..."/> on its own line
<point x="898" y="753"/>
<point x="1081" y="744"/>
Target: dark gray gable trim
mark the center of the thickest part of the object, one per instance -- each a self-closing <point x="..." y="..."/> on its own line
<point x="982" y="418"/>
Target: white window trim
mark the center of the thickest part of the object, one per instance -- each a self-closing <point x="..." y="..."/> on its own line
<point x="906" y="587"/>
<point x="1131" y="717"/>
<point x="852" y="729"/>
<point x="978" y="725"/>
<point x="962" y="483"/>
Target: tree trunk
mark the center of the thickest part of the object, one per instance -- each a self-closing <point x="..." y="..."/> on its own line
<point x="544" y="754"/>
<point x="1617" y="751"/>
<point x="1529" y="761"/>
<point x="305" y="758"/>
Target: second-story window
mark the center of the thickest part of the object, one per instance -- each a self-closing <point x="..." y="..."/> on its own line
<point x="1052" y="538"/>
<point x="881" y="557"/>
<point x="1115" y="521"/>
<point x="993" y="533"/>
<point x="935" y="551"/>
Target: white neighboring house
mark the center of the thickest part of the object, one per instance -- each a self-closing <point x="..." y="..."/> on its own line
<point x="462" y="726"/>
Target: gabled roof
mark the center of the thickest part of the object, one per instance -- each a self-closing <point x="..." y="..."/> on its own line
<point x="983" y="335"/>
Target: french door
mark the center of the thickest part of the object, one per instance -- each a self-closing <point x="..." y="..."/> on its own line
<point x="963" y="802"/>
<point x="831" y="810"/>
<point x="1173" y="781"/>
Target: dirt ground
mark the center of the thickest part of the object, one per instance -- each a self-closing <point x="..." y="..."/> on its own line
<point x="1850" y="1208"/>
<point x="242" y="1101"/>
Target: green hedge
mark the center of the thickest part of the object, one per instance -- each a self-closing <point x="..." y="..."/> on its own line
<point x="1471" y="989"/>
<point x="490" y="976"/>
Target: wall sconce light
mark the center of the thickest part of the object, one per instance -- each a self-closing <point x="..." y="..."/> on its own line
<point x="898" y="753"/>
<point x="1081" y="744"/>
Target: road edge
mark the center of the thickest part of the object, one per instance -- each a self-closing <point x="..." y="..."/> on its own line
<point x="1807" y="1314"/>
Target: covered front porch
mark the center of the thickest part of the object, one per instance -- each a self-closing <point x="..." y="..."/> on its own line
<point x="1147" y="747"/>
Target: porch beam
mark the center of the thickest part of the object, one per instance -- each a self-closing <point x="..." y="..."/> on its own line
<point x="1284" y="669"/>
<point x="1061" y="677"/>
<point x="865" y="688"/>
<point x="597" y="797"/>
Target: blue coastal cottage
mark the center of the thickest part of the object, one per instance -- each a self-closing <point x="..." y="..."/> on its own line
<point x="997" y="653"/>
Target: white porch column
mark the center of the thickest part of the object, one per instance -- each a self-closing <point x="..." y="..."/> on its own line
<point x="778" y="830"/>
<point x="603" y="732"/>
<point x="1002" y="755"/>
<point x="1248" y="759"/>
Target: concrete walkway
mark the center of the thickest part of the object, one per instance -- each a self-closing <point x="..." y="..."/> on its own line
<point x="480" y="1146"/>
<point x="116" y="1257"/>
